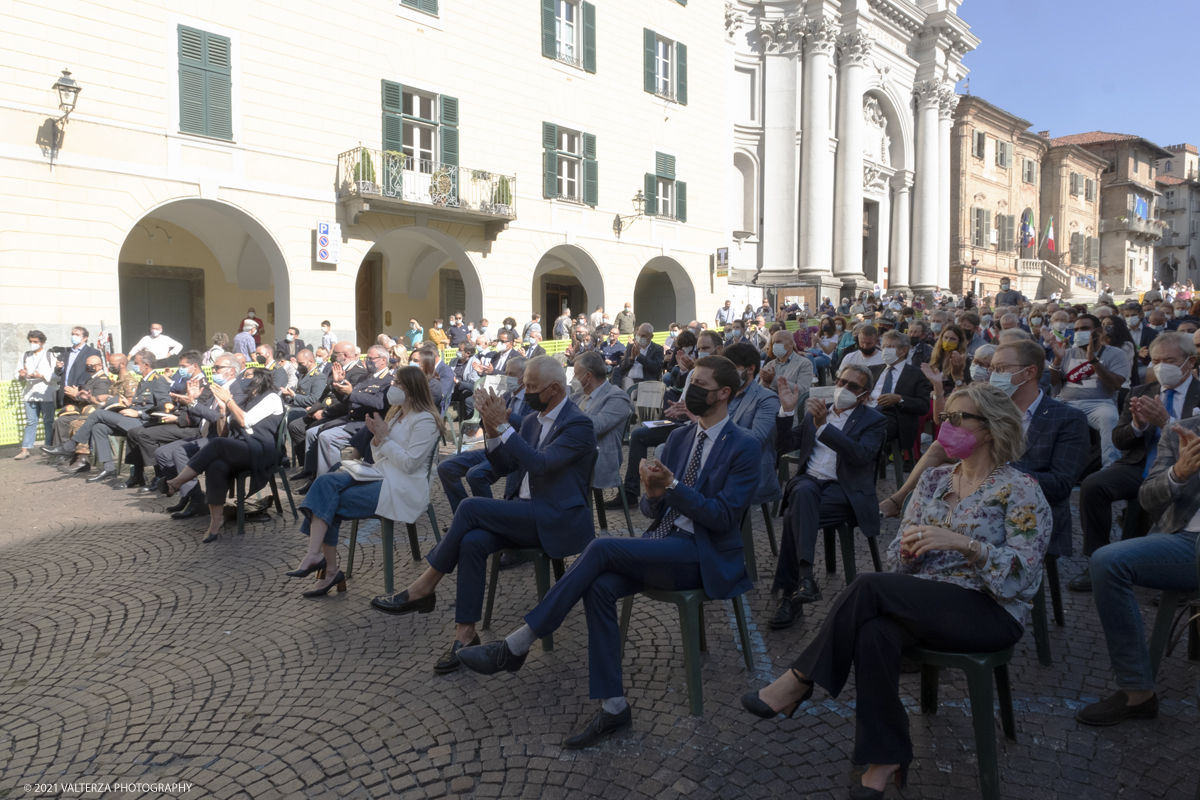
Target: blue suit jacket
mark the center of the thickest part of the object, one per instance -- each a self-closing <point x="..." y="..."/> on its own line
<point x="560" y="473"/>
<point x="1056" y="451"/>
<point x="716" y="504"/>
<point x="755" y="410"/>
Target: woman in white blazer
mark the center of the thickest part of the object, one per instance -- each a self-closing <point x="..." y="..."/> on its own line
<point x="401" y="445"/>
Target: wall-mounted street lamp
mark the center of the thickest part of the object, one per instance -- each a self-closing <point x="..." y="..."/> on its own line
<point x="621" y="224"/>
<point x="68" y="93"/>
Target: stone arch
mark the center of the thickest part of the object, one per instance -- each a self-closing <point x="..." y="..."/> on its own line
<point x="899" y="121"/>
<point x="662" y="300"/>
<point x="743" y="194"/>
<point x="581" y="284"/>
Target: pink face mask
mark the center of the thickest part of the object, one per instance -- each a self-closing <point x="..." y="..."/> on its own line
<point x="957" y="442"/>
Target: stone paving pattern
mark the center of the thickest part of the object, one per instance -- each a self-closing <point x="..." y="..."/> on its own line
<point x="129" y="651"/>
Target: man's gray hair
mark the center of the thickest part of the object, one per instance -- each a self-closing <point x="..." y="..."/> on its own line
<point x="1013" y="334"/>
<point x="592" y="362"/>
<point x="1183" y="341"/>
<point x="377" y="350"/>
<point x="896" y="339"/>
<point x="548" y="370"/>
<point x="225" y="360"/>
<point x="518" y="362"/>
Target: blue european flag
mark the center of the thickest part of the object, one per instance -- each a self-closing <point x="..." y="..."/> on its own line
<point x="1141" y="208"/>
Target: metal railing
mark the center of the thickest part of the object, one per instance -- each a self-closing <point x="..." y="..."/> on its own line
<point x="1135" y="224"/>
<point x="368" y="172"/>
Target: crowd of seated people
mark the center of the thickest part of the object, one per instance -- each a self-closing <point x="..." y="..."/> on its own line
<point x="997" y="408"/>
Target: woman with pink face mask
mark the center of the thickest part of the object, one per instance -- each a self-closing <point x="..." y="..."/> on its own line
<point x="964" y="571"/>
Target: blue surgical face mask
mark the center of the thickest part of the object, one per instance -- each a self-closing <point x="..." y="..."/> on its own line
<point x="219" y="379"/>
<point x="76" y="338"/>
<point x="182" y="373"/>
<point x="135" y="369"/>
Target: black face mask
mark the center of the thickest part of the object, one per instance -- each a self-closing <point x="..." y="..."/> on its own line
<point x="92" y="370"/>
<point x="261" y="359"/>
<point x="696" y="400"/>
<point x="867" y="351"/>
<point x="534" y="400"/>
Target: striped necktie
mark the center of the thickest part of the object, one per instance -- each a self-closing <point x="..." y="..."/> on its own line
<point x="689" y="479"/>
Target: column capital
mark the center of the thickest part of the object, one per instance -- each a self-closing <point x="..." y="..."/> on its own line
<point x="928" y="94"/>
<point x="820" y="36"/>
<point x="855" y="47"/>
<point x="734" y="20"/>
<point x="782" y="35"/>
<point x="947" y="101"/>
<point x="902" y="181"/>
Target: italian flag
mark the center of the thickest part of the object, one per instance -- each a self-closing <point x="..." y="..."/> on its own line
<point x="1049" y="240"/>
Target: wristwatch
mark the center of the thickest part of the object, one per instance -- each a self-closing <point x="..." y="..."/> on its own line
<point x="672" y="484"/>
<point x="502" y="427"/>
<point x="958" y="382"/>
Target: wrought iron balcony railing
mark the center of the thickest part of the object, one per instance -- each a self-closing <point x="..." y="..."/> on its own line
<point x="390" y="175"/>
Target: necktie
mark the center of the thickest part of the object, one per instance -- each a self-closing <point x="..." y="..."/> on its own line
<point x="887" y="381"/>
<point x="689" y="479"/>
<point x="1169" y="396"/>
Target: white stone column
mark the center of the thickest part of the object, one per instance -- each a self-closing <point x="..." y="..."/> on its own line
<point x="948" y="101"/>
<point x="848" y="197"/>
<point x="898" y="273"/>
<point x="816" y="175"/>
<point x="926" y="205"/>
<point x="781" y="41"/>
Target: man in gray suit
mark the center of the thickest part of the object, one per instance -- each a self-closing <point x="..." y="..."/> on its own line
<point x="609" y="408"/>
<point x="1164" y="560"/>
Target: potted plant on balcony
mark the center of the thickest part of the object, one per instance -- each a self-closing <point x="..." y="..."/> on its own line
<point x="364" y="172"/>
<point x="502" y="197"/>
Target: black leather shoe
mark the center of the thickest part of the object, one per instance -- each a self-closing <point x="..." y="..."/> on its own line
<point x="304" y="489"/>
<point x="295" y="476"/>
<point x="616" y="505"/>
<point x="102" y="475"/>
<point x="64" y="449"/>
<point x="154" y="488"/>
<point x="807" y="591"/>
<point x="786" y="614"/>
<point x="601" y="725"/>
<point x="1115" y="709"/>
<point x="449" y="661"/>
<point x="58" y="461"/>
<point x="135" y="481"/>
<point x="77" y="466"/>
<point x="399" y="603"/>
<point x="491" y="658"/>
<point x="180" y="506"/>
<point x="194" y="508"/>
<point x="1081" y="583"/>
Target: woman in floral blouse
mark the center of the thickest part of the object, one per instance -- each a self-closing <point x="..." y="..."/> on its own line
<point x="964" y="572"/>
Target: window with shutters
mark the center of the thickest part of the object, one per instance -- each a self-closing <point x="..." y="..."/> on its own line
<point x="1075" y="176"/>
<point x="1089" y="190"/>
<point x="666" y="196"/>
<point x="419" y="130"/>
<point x="1093" y="258"/>
<point x="570" y="166"/>
<point x="1004" y="154"/>
<point x="422" y="128"/>
<point x="1007" y="224"/>
<point x="428" y="6"/>
<point x="1077" y="248"/>
<point x="1029" y="172"/>
<point x="205" y="84"/>
<point x="981" y="227"/>
<point x="665" y="66"/>
<point x="978" y="144"/>
<point x="569" y="32"/>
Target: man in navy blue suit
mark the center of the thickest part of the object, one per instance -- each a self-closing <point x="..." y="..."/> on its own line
<point x="550" y="459"/>
<point x="696" y="496"/>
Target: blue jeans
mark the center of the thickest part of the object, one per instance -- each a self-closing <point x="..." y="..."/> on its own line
<point x="336" y="496"/>
<point x="1165" y="561"/>
<point x="1102" y="417"/>
<point x="34" y="409"/>
<point x="819" y="358"/>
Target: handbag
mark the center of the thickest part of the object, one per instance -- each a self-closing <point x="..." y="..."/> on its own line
<point x="361" y="471"/>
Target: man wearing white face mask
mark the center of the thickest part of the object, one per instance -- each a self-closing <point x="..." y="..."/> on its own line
<point x="901" y="391"/>
<point x="643" y="360"/>
<point x="163" y="347"/>
<point x="1007" y="295"/>
<point x="1090" y="375"/>
<point x="1151" y="409"/>
<point x="786" y="363"/>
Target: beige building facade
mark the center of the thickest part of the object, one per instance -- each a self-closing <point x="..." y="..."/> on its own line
<point x="472" y="157"/>
<point x="1178" y="179"/>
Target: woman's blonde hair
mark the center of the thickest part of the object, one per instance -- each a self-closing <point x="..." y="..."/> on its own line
<point x="939" y="355"/>
<point x="416" y="386"/>
<point x="1004" y="419"/>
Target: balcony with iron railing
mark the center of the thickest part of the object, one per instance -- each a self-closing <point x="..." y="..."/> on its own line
<point x="1130" y="223"/>
<point x="392" y="182"/>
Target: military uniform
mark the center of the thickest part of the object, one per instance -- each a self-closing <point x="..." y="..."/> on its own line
<point x="326" y="441"/>
<point x="75" y="412"/>
<point x="151" y="392"/>
<point x="145" y="441"/>
<point x="328" y="401"/>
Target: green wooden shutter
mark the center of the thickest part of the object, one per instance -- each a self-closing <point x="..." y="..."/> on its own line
<point x="976" y="227"/>
<point x="1094" y="260"/>
<point x="430" y="6"/>
<point x="550" y="164"/>
<point x="448" y="129"/>
<point x="549" y="33"/>
<point x="393" y="127"/>
<point x="591" y="171"/>
<point x="651" y="195"/>
<point x="650" y="77"/>
<point x="193" y="113"/>
<point x="681" y="73"/>
<point x="987" y="228"/>
<point x="589" y="37"/>
<point x="681" y="201"/>
<point x="1010" y="232"/>
<point x="205" y="84"/>
<point x="664" y="165"/>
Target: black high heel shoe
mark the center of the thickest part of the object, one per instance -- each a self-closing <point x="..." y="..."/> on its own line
<point x="861" y="792"/>
<point x="304" y="573"/>
<point x="755" y="705"/>
<point x="339" y="580"/>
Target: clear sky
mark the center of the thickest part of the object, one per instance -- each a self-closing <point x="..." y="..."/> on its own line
<point x="1071" y="66"/>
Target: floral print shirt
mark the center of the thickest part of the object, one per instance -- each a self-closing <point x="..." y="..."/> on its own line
<point x="1008" y="513"/>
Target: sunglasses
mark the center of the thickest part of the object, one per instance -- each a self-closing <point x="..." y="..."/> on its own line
<point x="956" y="418"/>
<point x="842" y="383"/>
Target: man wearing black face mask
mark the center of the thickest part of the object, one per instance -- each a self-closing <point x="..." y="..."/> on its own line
<point x="265" y="356"/>
<point x="696" y="496"/>
<point x="868" y="354"/>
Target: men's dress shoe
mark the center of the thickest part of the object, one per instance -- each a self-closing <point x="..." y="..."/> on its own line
<point x="65" y="449"/>
<point x="1082" y="582"/>
<point x="77" y="466"/>
<point x="601" y="725"/>
<point x="449" y="661"/>
<point x="304" y="489"/>
<point x="56" y="461"/>
<point x="1114" y="709"/>
<point x="194" y="508"/>
<point x="102" y="475"/>
<point x="491" y="658"/>
<point x="807" y="591"/>
<point x="181" y="505"/>
<point x="786" y="614"/>
<point x="295" y="476"/>
<point x="135" y="481"/>
<point x="399" y="603"/>
<point x="616" y="504"/>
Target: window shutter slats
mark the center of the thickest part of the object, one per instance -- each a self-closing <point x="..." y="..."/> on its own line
<point x="449" y="111"/>
<point x="393" y="133"/>
<point x="216" y="52"/>
<point x="589" y="145"/>
<point x="976" y="227"/>
<point x="664" y="165"/>
<point x="650" y="76"/>
<point x="549" y="136"/>
<point x="430" y="6"/>
<point x="681" y="201"/>
<point x="589" y="37"/>
<point x="192" y="109"/>
<point x="449" y="146"/>
<point x="205" y="83"/>
<point x="549" y="37"/>
<point x="393" y="94"/>
<point x="987" y="228"/>
<point x="219" y="90"/>
<point x="550" y="163"/>
<point x="1094" y="259"/>
<point x="591" y="182"/>
<point x="191" y="46"/>
<point x="651" y="188"/>
<point x="681" y="73"/>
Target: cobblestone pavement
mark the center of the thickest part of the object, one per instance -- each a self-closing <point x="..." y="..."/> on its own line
<point x="129" y="651"/>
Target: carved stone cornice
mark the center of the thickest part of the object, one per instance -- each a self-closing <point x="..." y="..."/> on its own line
<point x="855" y="47"/>
<point x="782" y="35"/>
<point x="734" y="20"/>
<point x="947" y="101"/>
<point x="928" y="94"/>
<point x="820" y="36"/>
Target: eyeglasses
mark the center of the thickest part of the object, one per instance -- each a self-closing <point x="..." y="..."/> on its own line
<point x="842" y="383"/>
<point x="956" y="418"/>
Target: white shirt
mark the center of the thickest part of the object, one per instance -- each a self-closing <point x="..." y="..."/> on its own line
<point x="546" y="419"/>
<point x="268" y="406"/>
<point x="1027" y="417"/>
<point x="160" y="346"/>
<point x="857" y="357"/>
<point x="895" y="369"/>
<point x="38" y="362"/>
<point x="822" y="464"/>
<point x="500" y="362"/>
<point x="1177" y="411"/>
<point x="711" y="434"/>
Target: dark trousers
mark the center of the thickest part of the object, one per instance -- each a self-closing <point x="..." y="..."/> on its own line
<point x="296" y="427"/>
<point x="145" y="441"/>
<point x="472" y="465"/>
<point x="62" y="427"/>
<point x="1097" y="494"/>
<point x="641" y="439"/>
<point x="172" y="457"/>
<point x="607" y="570"/>
<point x="481" y="527"/>
<point x="871" y="623"/>
<point x="811" y="506"/>
<point x="98" y="427"/>
<point x="220" y="459"/>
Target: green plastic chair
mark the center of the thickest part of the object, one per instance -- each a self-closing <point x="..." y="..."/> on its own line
<point x="598" y="494"/>
<point x="845" y="536"/>
<point x="980" y="669"/>
<point x="1164" y="620"/>
<point x="691" y="625"/>
<point x="278" y="470"/>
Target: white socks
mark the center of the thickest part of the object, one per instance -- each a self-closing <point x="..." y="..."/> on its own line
<point x="614" y="705"/>
<point x="520" y="640"/>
